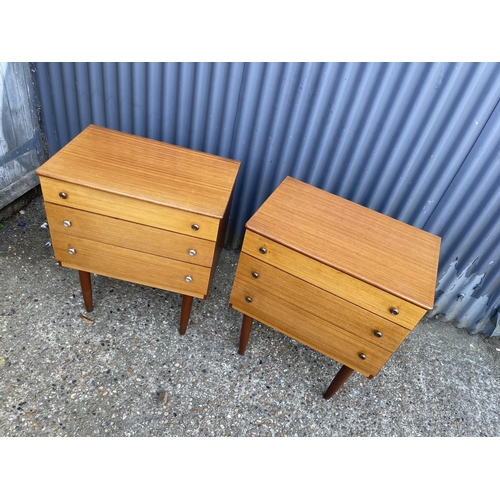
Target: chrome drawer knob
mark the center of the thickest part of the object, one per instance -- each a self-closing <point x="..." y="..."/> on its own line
<point x="362" y="356"/>
<point x="262" y="250"/>
<point x="378" y="334"/>
<point x="394" y="311"/>
<point x="255" y="275"/>
<point x="195" y="227"/>
<point x="192" y="252"/>
<point x="71" y="251"/>
<point x="63" y="195"/>
<point x="189" y="279"/>
<point x="67" y="223"/>
<point x="248" y="299"/>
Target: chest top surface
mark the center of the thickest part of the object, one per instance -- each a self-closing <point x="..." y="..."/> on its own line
<point x="356" y="240"/>
<point x="146" y="169"/>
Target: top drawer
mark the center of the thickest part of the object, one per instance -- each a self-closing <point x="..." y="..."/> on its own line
<point x="131" y="209"/>
<point x="330" y="279"/>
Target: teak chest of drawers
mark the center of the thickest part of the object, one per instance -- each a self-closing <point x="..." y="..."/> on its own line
<point x="138" y="210"/>
<point x="338" y="277"/>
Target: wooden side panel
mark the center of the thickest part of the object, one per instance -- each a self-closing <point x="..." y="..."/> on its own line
<point x="221" y="236"/>
<point x="368" y="297"/>
<point x="329" y="307"/>
<point x="132" y="209"/>
<point x="130" y="265"/>
<point x="128" y="235"/>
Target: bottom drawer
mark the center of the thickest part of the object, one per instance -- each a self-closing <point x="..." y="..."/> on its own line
<point x="309" y="329"/>
<point x="130" y="265"/>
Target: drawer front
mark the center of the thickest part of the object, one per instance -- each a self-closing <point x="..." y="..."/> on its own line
<point x="131" y="209"/>
<point x="351" y="289"/>
<point x="308" y="329"/>
<point x="69" y="222"/>
<point x="257" y="275"/>
<point x="130" y="265"/>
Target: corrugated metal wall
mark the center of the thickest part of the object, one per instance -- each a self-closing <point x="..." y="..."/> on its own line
<point x="416" y="141"/>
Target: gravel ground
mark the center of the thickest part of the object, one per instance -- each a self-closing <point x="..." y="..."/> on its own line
<point x="124" y="370"/>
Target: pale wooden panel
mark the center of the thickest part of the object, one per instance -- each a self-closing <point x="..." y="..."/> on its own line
<point x="147" y="169"/>
<point x="129" y="235"/>
<point x="130" y="265"/>
<point x="309" y="330"/>
<point x="330" y="279"/>
<point x="370" y="246"/>
<point x="19" y="136"/>
<point x="318" y="302"/>
<point x="132" y="209"/>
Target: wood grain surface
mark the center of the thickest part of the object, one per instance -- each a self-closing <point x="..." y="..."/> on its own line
<point x="310" y="330"/>
<point x="130" y="265"/>
<point x="132" y="209"/>
<point x="365" y="244"/>
<point x="128" y="235"/>
<point x="318" y="302"/>
<point x="145" y="169"/>
<point x="330" y="279"/>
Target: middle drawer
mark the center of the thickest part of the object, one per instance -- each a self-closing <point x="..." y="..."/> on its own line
<point x="71" y="222"/>
<point x="327" y="306"/>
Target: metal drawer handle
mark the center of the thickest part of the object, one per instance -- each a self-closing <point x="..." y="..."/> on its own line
<point x="362" y="356"/>
<point x="63" y="195"/>
<point x="255" y="275"/>
<point x="192" y="252"/>
<point x="71" y="251"/>
<point x="377" y="334"/>
<point x="195" y="227"/>
<point x="262" y="250"/>
<point x="248" y="299"/>
<point x="189" y="279"/>
<point x="67" y="223"/>
<point x="394" y="311"/>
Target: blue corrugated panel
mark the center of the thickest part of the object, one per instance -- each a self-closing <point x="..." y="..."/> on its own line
<point x="468" y="220"/>
<point x="416" y="141"/>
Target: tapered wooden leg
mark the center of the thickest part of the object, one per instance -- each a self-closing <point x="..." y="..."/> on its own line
<point x="246" y="326"/>
<point x="187" y="302"/>
<point x="343" y="374"/>
<point x="86" y="285"/>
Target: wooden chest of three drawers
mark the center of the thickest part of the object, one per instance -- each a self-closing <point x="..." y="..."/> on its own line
<point x="340" y="278"/>
<point x="138" y="210"/>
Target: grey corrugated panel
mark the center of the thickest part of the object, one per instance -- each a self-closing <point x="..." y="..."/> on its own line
<point x="401" y="138"/>
<point x="59" y="103"/>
